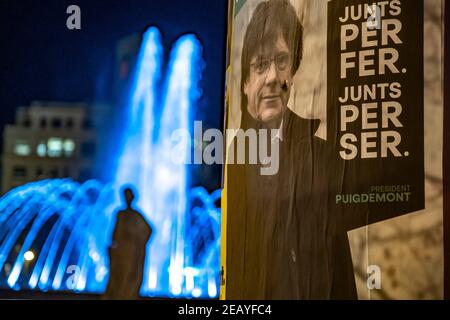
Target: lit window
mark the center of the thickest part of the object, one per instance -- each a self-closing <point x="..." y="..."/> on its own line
<point x="22" y="148"/>
<point x="54" y="147"/>
<point x="41" y="149"/>
<point x="69" y="147"/>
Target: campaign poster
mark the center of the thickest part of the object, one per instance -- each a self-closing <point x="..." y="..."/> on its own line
<point x="333" y="176"/>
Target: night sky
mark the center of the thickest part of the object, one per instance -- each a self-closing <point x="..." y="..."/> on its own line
<point x="40" y="59"/>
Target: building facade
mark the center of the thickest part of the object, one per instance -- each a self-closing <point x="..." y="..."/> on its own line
<point x="48" y="140"/>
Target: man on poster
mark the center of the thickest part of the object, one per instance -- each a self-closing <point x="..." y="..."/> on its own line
<point x="287" y="230"/>
<point x="286" y="239"/>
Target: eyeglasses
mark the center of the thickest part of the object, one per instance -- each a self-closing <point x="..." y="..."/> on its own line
<point x="282" y="61"/>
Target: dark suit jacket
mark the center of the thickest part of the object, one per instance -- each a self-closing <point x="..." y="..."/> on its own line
<point x="286" y="238"/>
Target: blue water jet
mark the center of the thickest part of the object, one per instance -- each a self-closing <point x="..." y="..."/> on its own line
<point x="68" y="225"/>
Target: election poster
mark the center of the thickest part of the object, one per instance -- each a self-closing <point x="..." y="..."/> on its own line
<point x="333" y="176"/>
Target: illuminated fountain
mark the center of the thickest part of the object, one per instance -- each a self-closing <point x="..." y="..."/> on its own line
<point x="68" y="226"/>
<point x="61" y="222"/>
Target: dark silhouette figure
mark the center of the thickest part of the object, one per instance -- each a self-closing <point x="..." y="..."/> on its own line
<point x="127" y="252"/>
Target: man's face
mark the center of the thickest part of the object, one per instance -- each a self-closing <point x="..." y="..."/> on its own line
<point x="269" y="71"/>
